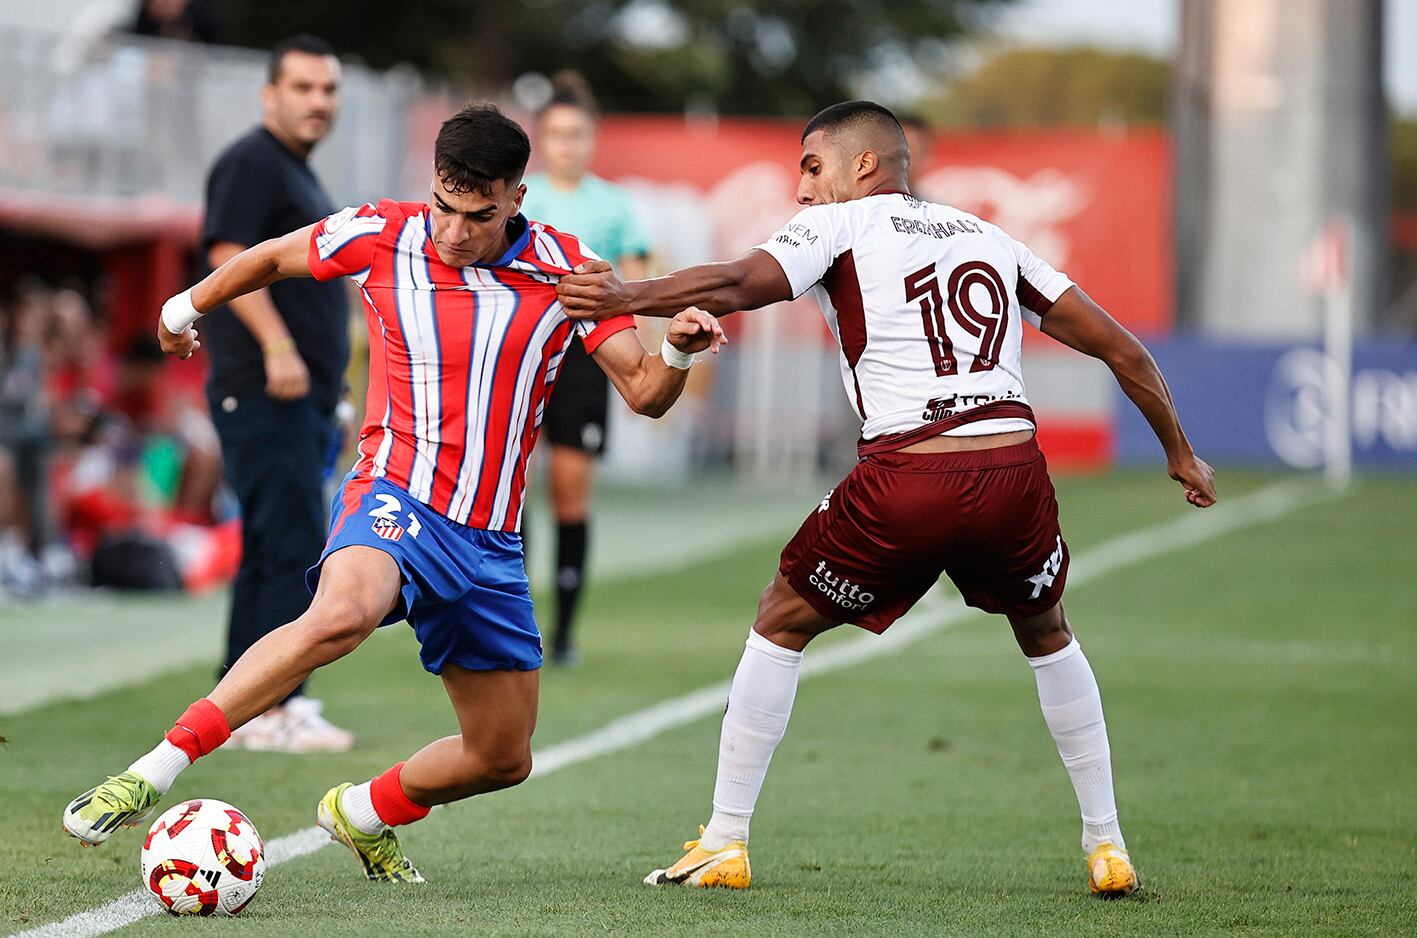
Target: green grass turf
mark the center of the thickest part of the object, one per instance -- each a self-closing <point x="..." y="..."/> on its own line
<point x="1259" y="692"/>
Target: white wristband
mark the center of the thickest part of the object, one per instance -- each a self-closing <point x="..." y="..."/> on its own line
<point x="178" y="313"/>
<point x="675" y="358"/>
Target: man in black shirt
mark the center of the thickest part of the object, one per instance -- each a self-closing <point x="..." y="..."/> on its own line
<point x="278" y="358"/>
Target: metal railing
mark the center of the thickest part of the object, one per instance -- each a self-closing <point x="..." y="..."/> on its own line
<point x="123" y="123"/>
<point x="123" y="117"/>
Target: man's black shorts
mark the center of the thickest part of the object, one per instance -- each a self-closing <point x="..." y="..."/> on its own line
<point x="575" y="415"/>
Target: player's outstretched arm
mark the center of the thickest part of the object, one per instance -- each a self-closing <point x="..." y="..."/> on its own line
<point x="651" y="384"/>
<point x="253" y="269"/>
<point x="593" y="291"/>
<point x="1076" y="321"/>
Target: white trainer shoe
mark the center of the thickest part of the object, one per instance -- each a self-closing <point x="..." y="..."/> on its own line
<point x="308" y="731"/>
<point x="296" y="727"/>
<point x="259" y="735"/>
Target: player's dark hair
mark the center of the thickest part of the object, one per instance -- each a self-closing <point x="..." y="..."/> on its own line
<point x="570" y="89"/>
<point x="310" y="45"/>
<point x="850" y="113"/>
<point x="478" y="146"/>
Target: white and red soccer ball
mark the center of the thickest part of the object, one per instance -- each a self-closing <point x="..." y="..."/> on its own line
<point x="203" y="857"/>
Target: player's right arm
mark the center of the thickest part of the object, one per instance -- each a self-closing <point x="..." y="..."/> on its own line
<point x="287" y="378"/>
<point x="246" y="272"/>
<point x="1079" y="323"/>
<point x="338" y="246"/>
<point x="782" y="268"/>
<point x="593" y="291"/>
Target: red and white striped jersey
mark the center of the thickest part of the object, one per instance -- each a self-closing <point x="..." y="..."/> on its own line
<point x="927" y="303"/>
<point x="461" y="359"/>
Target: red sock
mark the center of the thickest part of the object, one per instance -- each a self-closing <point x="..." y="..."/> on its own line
<point x="390" y="803"/>
<point x="199" y="730"/>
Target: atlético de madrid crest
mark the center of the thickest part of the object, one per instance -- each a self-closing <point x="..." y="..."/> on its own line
<point x="388" y="529"/>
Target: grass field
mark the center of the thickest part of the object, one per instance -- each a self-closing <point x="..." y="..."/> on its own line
<point x="1260" y="692"/>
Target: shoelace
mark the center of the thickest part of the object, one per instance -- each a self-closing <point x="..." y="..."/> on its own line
<point x="108" y="796"/>
<point x="691" y="844"/>
<point x="385" y="851"/>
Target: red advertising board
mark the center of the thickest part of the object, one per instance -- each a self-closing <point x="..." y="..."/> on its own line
<point x="1096" y="205"/>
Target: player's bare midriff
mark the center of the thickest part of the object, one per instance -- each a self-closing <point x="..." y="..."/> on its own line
<point x="956" y="444"/>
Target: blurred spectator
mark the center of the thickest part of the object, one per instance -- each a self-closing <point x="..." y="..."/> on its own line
<point x="80" y="373"/>
<point x="25" y="529"/>
<point x="567" y="195"/>
<point x="192" y="20"/>
<point x="278" y="358"/>
<point x="98" y="452"/>
<point x="139" y="470"/>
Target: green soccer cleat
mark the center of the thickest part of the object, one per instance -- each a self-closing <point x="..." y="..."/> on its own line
<point x="379" y="854"/>
<point x="124" y="800"/>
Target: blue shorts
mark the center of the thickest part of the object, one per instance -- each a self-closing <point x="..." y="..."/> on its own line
<point x="465" y="590"/>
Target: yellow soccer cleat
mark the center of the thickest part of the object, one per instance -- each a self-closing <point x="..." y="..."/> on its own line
<point x="379" y="854"/>
<point x="727" y="868"/>
<point x="125" y="800"/>
<point x="1110" y="873"/>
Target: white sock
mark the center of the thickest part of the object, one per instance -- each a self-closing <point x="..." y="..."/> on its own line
<point x="1072" y="708"/>
<point x="161" y="766"/>
<point x="359" y="808"/>
<point x="758" y="708"/>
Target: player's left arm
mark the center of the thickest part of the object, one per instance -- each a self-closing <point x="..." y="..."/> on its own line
<point x="651" y="383"/>
<point x="1079" y="323"/>
<point x="253" y="269"/>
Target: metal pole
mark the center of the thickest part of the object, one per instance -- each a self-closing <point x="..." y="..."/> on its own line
<point x="1338" y="352"/>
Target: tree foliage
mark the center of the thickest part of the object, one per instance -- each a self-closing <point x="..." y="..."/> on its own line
<point x="1045" y="87"/>
<point x="735" y="56"/>
<point x="1404" y="163"/>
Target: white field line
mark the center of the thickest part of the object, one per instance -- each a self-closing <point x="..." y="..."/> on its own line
<point x="631" y="544"/>
<point x="932" y="615"/>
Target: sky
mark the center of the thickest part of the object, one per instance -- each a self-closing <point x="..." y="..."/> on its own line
<point x="1152" y="26"/>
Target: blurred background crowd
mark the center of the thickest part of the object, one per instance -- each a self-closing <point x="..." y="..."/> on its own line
<point x="98" y="459"/>
<point x="1215" y="172"/>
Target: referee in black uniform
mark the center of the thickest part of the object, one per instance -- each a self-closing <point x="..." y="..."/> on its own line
<point x="278" y="359"/>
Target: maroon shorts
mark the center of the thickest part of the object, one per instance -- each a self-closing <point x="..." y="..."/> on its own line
<point x="882" y="537"/>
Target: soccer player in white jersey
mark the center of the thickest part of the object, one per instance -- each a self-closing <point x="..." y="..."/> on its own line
<point x="928" y="305"/>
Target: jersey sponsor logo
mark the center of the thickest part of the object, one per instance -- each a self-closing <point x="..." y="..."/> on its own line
<point x="935" y="229"/>
<point x="796" y="234"/>
<point x="839" y="589"/>
<point x="337" y="221"/>
<point x="939" y="408"/>
<point x="1045" y="577"/>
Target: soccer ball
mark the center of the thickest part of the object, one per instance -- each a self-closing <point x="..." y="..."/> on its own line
<point x="203" y="857"/>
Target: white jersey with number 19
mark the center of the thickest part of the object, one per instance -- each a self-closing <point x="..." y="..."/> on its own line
<point x="927" y="303"/>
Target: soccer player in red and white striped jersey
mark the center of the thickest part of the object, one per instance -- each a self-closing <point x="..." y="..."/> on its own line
<point x="466" y="335"/>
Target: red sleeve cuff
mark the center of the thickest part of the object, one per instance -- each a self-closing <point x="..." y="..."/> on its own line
<point x="604" y="330"/>
<point x="318" y="268"/>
